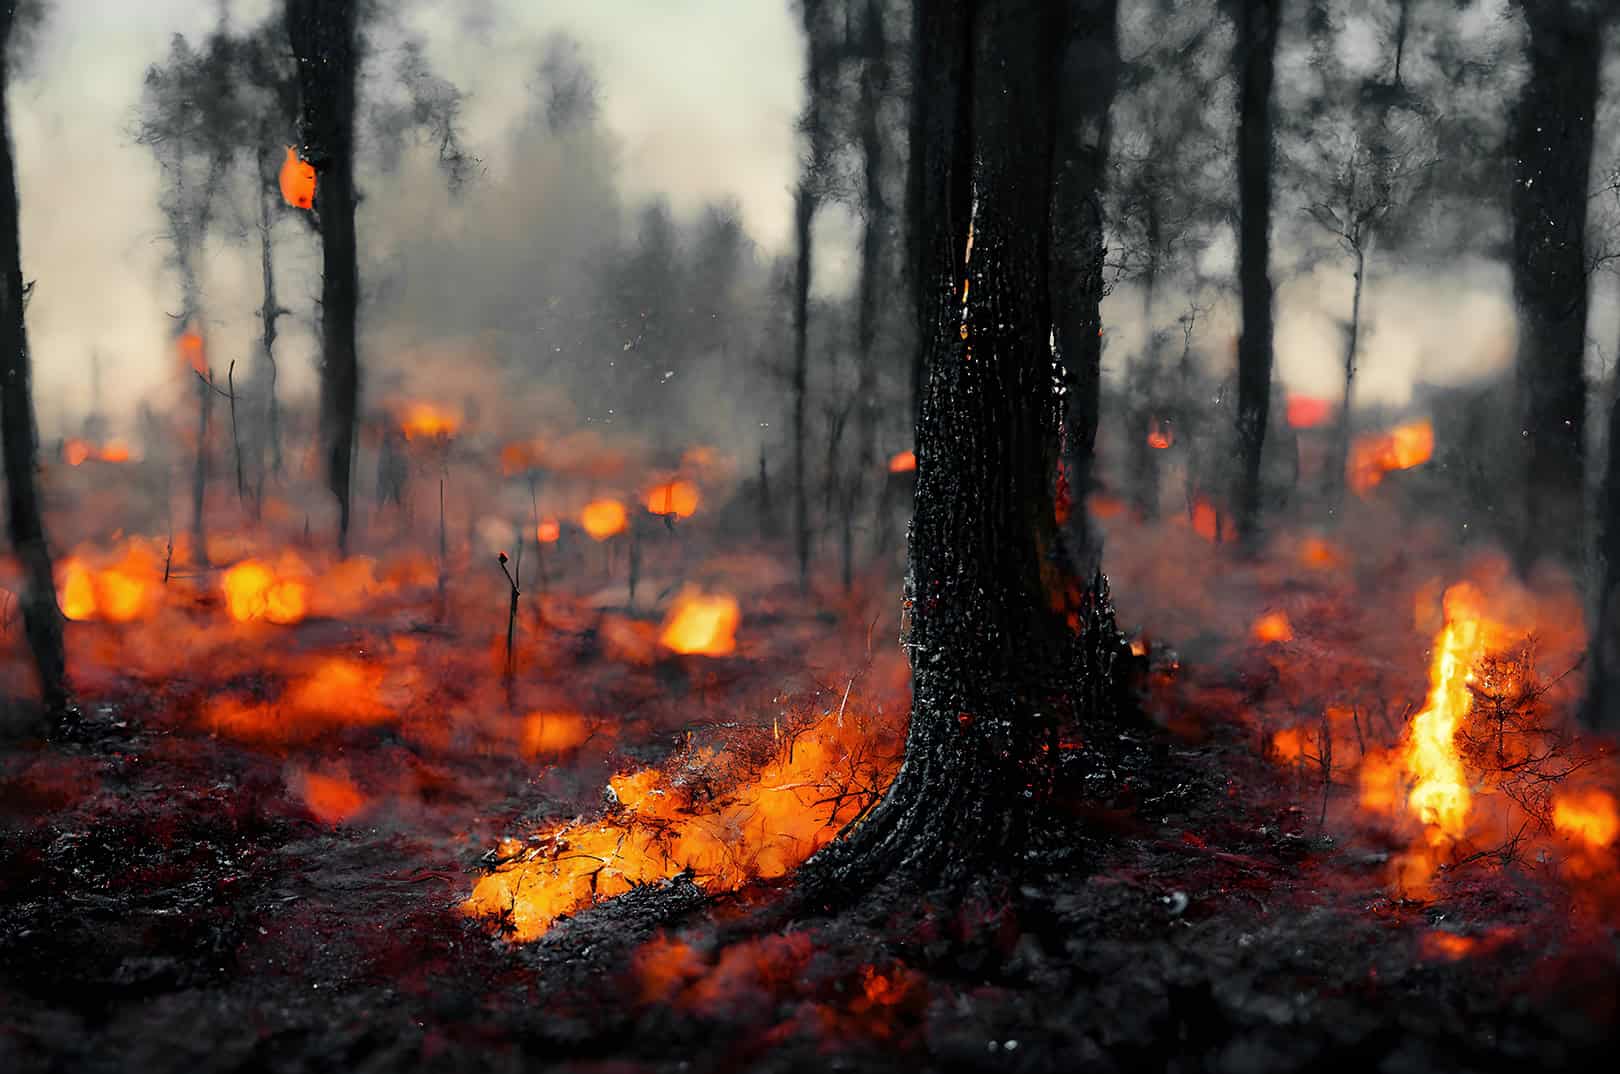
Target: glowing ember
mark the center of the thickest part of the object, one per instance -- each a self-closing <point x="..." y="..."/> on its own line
<point x="902" y="462"/>
<point x="521" y="456"/>
<point x="193" y="351"/>
<point x="332" y="799"/>
<point x="1589" y="816"/>
<point x="1272" y="627"/>
<point x="604" y="518"/>
<point x="254" y="591"/>
<point x="678" y="498"/>
<point x="1159" y="435"/>
<point x="699" y="624"/>
<point x="547" y="530"/>
<point x="1320" y="554"/>
<point x="426" y="421"/>
<point x="1440" y="796"/>
<point x="1377" y="454"/>
<point x="297" y="181"/>
<point x="75" y="452"/>
<point x="1307" y="412"/>
<point x="1292" y="743"/>
<point x="551" y="733"/>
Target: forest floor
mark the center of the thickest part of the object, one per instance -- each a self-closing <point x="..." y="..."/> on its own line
<point x="169" y="902"/>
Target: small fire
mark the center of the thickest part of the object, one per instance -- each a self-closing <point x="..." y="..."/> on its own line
<point x="193" y="351"/>
<point x="121" y="593"/>
<point x="1376" y="454"/>
<point x="1159" y="435"/>
<point x="1440" y="795"/>
<point x="547" y="734"/>
<point x="1589" y="816"/>
<point x="521" y="456"/>
<point x="1320" y="554"/>
<point x="332" y="799"/>
<point x="254" y="591"/>
<point x="427" y="421"/>
<point x="547" y="531"/>
<point x="902" y="462"/>
<point x="604" y="518"/>
<point x="78" y="452"/>
<point x="1307" y="412"/>
<point x="1272" y="627"/>
<point x="702" y="625"/>
<point x="297" y="181"/>
<point x="677" y="498"/>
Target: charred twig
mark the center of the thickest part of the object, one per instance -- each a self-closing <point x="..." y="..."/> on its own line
<point x="236" y="436"/>
<point x="511" y="623"/>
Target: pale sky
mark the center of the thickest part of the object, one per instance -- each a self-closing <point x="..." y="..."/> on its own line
<point x="702" y="95"/>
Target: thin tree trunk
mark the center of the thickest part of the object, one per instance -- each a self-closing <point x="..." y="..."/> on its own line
<point x="874" y="85"/>
<point x="325" y="41"/>
<point x="1086" y="92"/>
<point x="25" y="522"/>
<point x="1342" y="454"/>
<point x="270" y="311"/>
<point x="199" y="474"/>
<point x="985" y="641"/>
<point x="803" y="213"/>
<point x="1552" y="156"/>
<point x="1256" y="60"/>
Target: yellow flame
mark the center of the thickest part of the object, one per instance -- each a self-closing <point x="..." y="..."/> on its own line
<point x="1440" y="796"/>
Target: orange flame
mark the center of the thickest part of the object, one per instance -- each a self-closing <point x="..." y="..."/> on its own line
<point x="297" y="181"/>
<point x="604" y="518"/>
<point x="254" y="591"/>
<point x="547" y="530"/>
<point x="193" y="351"/>
<point x="1272" y="627"/>
<point x="121" y="593"/>
<point x="332" y="799"/>
<point x="551" y="733"/>
<point x="902" y="462"/>
<point x="701" y="625"/>
<point x="678" y="498"/>
<point x="1589" y="816"/>
<point x="1440" y="795"/>
<point x="1307" y="412"/>
<point x="1376" y="454"/>
<point x="1159" y="435"/>
<point x="427" y="421"/>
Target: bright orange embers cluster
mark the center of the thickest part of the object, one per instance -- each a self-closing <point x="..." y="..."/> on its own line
<point x="297" y="181"/>
<point x="426" y="421"/>
<point x="1376" y="454"/>
<point x="701" y="624"/>
<point x="1159" y="435"/>
<point x="902" y="462"/>
<point x="712" y="811"/>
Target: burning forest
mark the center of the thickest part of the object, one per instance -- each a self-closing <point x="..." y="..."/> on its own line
<point x="956" y="536"/>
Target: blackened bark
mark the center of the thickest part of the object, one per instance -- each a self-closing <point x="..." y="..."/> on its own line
<point x="325" y="40"/>
<point x="1257" y="22"/>
<point x="1086" y="93"/>
<point x="806" y="203"/>
<point x="25" y="522"/>
<point x="1552" y="156"/>
<point x="986" y="643"/>
<point x="874" y="240"/>
<point x="1352" y="343"/>
<point x="199" y="474"/>
<point x="271" y="310"/>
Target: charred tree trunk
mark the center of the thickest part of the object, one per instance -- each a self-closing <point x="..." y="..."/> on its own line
<point x="807" y="201"/>
<point x="199" y="474"/>
<point x="1257" y="23"/>
<point x="1552" y="155"/>
<point x="1086" y="92"/>
<point x="325" y="39"/>
<point x="25" y="522"/>
<point x="874" y="85"/>
<point x="270" y="312"/>
<point x="986" y="643"/>
<point x="1352" y="343"/>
